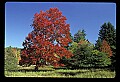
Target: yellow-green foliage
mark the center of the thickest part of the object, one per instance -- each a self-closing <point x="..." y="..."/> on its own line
<point x="73" y="46"/>
<point x="96" y="52"/>
<point x="10" y="59"/>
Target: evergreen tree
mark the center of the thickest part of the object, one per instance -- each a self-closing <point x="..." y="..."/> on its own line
<point x="98" y="44"/>
<point x="73" y="47"/>
<point x="100" y="59"/>
<point x="80" y="35"/>
<point x="72" y="38"/>
<point x="82" y="55"/>
<point x="108" y="33"/>
<point x="69" y="44"/>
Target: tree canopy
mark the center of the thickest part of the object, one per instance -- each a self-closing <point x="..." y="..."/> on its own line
<point x="47" y="40"/>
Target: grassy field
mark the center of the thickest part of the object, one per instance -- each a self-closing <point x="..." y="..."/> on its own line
<point x="61" y="73"/>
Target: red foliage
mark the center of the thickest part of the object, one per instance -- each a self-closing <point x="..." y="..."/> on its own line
<point x="106" y="48"/>
<point x="49" y="27"/>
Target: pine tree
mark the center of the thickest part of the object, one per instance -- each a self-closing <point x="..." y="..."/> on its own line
<point x="80" y="35"/>
<point x="108" y="33"/>
<point x="98" y="44"/>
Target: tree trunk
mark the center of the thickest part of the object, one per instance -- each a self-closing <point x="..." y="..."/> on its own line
<point x="37" y="65"/>
<point x="36" y="68"/>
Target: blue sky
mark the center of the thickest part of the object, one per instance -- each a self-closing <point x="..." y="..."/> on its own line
<point x="80" y="15"/>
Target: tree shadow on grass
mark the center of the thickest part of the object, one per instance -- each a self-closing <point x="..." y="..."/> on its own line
<point x="85" y="70"/>
<point x="30" y="70"/>
<point x="72" y="73"/>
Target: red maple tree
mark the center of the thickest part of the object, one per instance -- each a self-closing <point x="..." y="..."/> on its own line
<point x="106" y="48"/>
<point x="46" y="43"/>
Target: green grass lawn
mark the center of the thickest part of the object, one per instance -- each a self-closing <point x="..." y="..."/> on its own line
<point x="62" y="73"/>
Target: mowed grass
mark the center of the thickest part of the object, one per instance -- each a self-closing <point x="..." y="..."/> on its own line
<point x="62" y="73"/>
